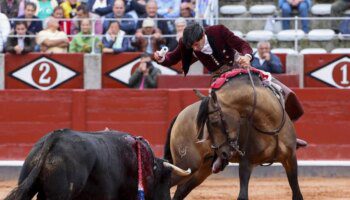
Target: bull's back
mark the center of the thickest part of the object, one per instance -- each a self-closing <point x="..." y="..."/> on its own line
<point x="88" y="164"/>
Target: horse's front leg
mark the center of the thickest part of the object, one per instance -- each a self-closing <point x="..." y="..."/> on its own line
<point x="245" y="170"/>
<point x="291" y="167"/>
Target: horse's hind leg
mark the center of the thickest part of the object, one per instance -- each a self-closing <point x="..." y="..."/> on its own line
<point x="291" y="167"/>
<point x="245" y="170"/>
<point x="197" y="178"/>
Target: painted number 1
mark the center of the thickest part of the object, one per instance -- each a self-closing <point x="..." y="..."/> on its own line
<point x="45" y="68"/>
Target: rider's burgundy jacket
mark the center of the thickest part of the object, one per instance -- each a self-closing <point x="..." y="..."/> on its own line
<point x="223" y="43"/>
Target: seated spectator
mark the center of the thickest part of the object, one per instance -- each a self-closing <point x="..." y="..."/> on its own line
<point x="127" y="24"/>
<point x="180" y="24"/>
<point x="265" y="60"/>
<point x="148" y="38"/>
<point x="83" y="13"/>
<point x="186" y="10"/>
<point x="51" y="40"/>
<point x="19" y="42"/>
<point x="34" y="24"/>
<point x="5" y="29"/>
<point x="84" y="44"/>
<point x="169" y="8"/>
<point x="100" y="7"/>
<point x="44" y="8"/>
<point x="137" y="6"/>
<point x="70" y="8"/>
<point x="114" y="40"/>
<point x="151" y="12"/>
<point x="337" y="10"/>
<point x="146" y="75"/>
<point x="64" y="25"/>
<point x="9" y="8"/>
<point x="302" y="6"/>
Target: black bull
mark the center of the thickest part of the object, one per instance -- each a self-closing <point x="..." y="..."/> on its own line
<point x="66" y="164"/>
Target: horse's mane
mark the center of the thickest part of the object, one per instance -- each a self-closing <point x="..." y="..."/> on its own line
<point x="202" y="116"/>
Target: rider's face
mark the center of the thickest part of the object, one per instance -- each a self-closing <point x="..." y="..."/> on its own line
<point x="197" y="46"/>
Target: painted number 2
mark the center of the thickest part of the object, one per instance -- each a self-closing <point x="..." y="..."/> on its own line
<point x="344" y="70"/>
<point x="45" y="69"/>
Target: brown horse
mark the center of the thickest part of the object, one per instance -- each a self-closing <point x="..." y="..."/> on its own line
<point x="237" y="123"/>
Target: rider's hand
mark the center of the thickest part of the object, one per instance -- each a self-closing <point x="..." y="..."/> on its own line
<point x="157" y="57"/>
<point x="244" y="61"/>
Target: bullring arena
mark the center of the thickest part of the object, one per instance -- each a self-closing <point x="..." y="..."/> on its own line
<point x="41" y="92"/>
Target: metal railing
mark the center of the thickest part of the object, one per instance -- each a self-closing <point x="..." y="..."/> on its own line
<point x="215" y="20"/>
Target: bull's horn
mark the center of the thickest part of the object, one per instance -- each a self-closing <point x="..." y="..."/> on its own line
<point x="178" y="170"/>
<point x="199" y="94"/>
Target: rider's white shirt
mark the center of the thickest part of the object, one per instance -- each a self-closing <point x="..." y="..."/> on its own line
<point x="207" y="48"/>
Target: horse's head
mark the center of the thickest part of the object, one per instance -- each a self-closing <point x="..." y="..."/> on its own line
<point x="222" y="125"/>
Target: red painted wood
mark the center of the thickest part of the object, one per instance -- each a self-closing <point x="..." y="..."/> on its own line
<point x="314" y="62"/>
<point x="27" y="115"/>
<point x="15" y="62"/>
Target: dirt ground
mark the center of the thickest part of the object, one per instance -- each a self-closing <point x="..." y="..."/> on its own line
<point x="260" y="188"/>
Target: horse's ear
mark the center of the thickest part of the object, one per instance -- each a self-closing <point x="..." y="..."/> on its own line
<point x="199" y="94"/>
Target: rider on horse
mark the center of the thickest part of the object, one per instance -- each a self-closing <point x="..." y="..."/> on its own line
<point x="220" y="51"/>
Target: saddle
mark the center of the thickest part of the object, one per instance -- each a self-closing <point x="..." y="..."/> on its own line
<point x="289" y="99"/>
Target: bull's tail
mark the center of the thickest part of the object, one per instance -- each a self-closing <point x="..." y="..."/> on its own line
<point x="167" y="151"/>
<point x="23" y="190"/>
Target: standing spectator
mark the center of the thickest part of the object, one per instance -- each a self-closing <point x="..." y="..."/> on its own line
<point x="34" y="24"/>
<point x="70" y="8"/>
<point x="100" y="7"/>
<point x="5" y="29"/>
<point x="9" y="8"/>
<point x="82" y="43"/>
<point x="51" y="40"/>
<point x="44" y="8"/>
<point x="151" y="12"/>
<point x="303" y="7"/>
<point x="337" y="10"/>
<point x="169" y="8"/>
<point x="265" y="60"/>
<point x="146" y="74"/>
<point x="19" y="42"/>
<point x="148" y="38"/>
<point x="127" y="23"/>
<point x="64" y="25"/>
<point x="180" y="24"/>
<point x="114" y="40"/>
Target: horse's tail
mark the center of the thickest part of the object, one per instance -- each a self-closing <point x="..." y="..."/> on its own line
<point x="23" y="190"/>
<point x="167" y="151"/>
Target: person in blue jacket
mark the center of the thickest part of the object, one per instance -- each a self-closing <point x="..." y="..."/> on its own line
<point x="265" y="60"/>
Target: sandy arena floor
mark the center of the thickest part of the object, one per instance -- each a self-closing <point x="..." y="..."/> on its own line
<point x="260" y="188"/>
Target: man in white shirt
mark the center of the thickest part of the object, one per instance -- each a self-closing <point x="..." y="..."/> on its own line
<point x="51" y="40"/>
<point x="4" y="30"/>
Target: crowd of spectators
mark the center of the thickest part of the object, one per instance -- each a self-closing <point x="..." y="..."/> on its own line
<point x="108" y="26"/>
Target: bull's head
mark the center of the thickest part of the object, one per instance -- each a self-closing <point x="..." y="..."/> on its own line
<point x="222" y="124"/>
<point x="162" y="182"/>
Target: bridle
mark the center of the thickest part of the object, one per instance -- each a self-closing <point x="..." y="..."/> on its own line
<point x="231" y="142"/>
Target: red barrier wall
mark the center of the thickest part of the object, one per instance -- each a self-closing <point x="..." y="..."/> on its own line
<point x="44" y="71"/>
<point x="327" y="70"/>
<point x="26" y="115"/>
